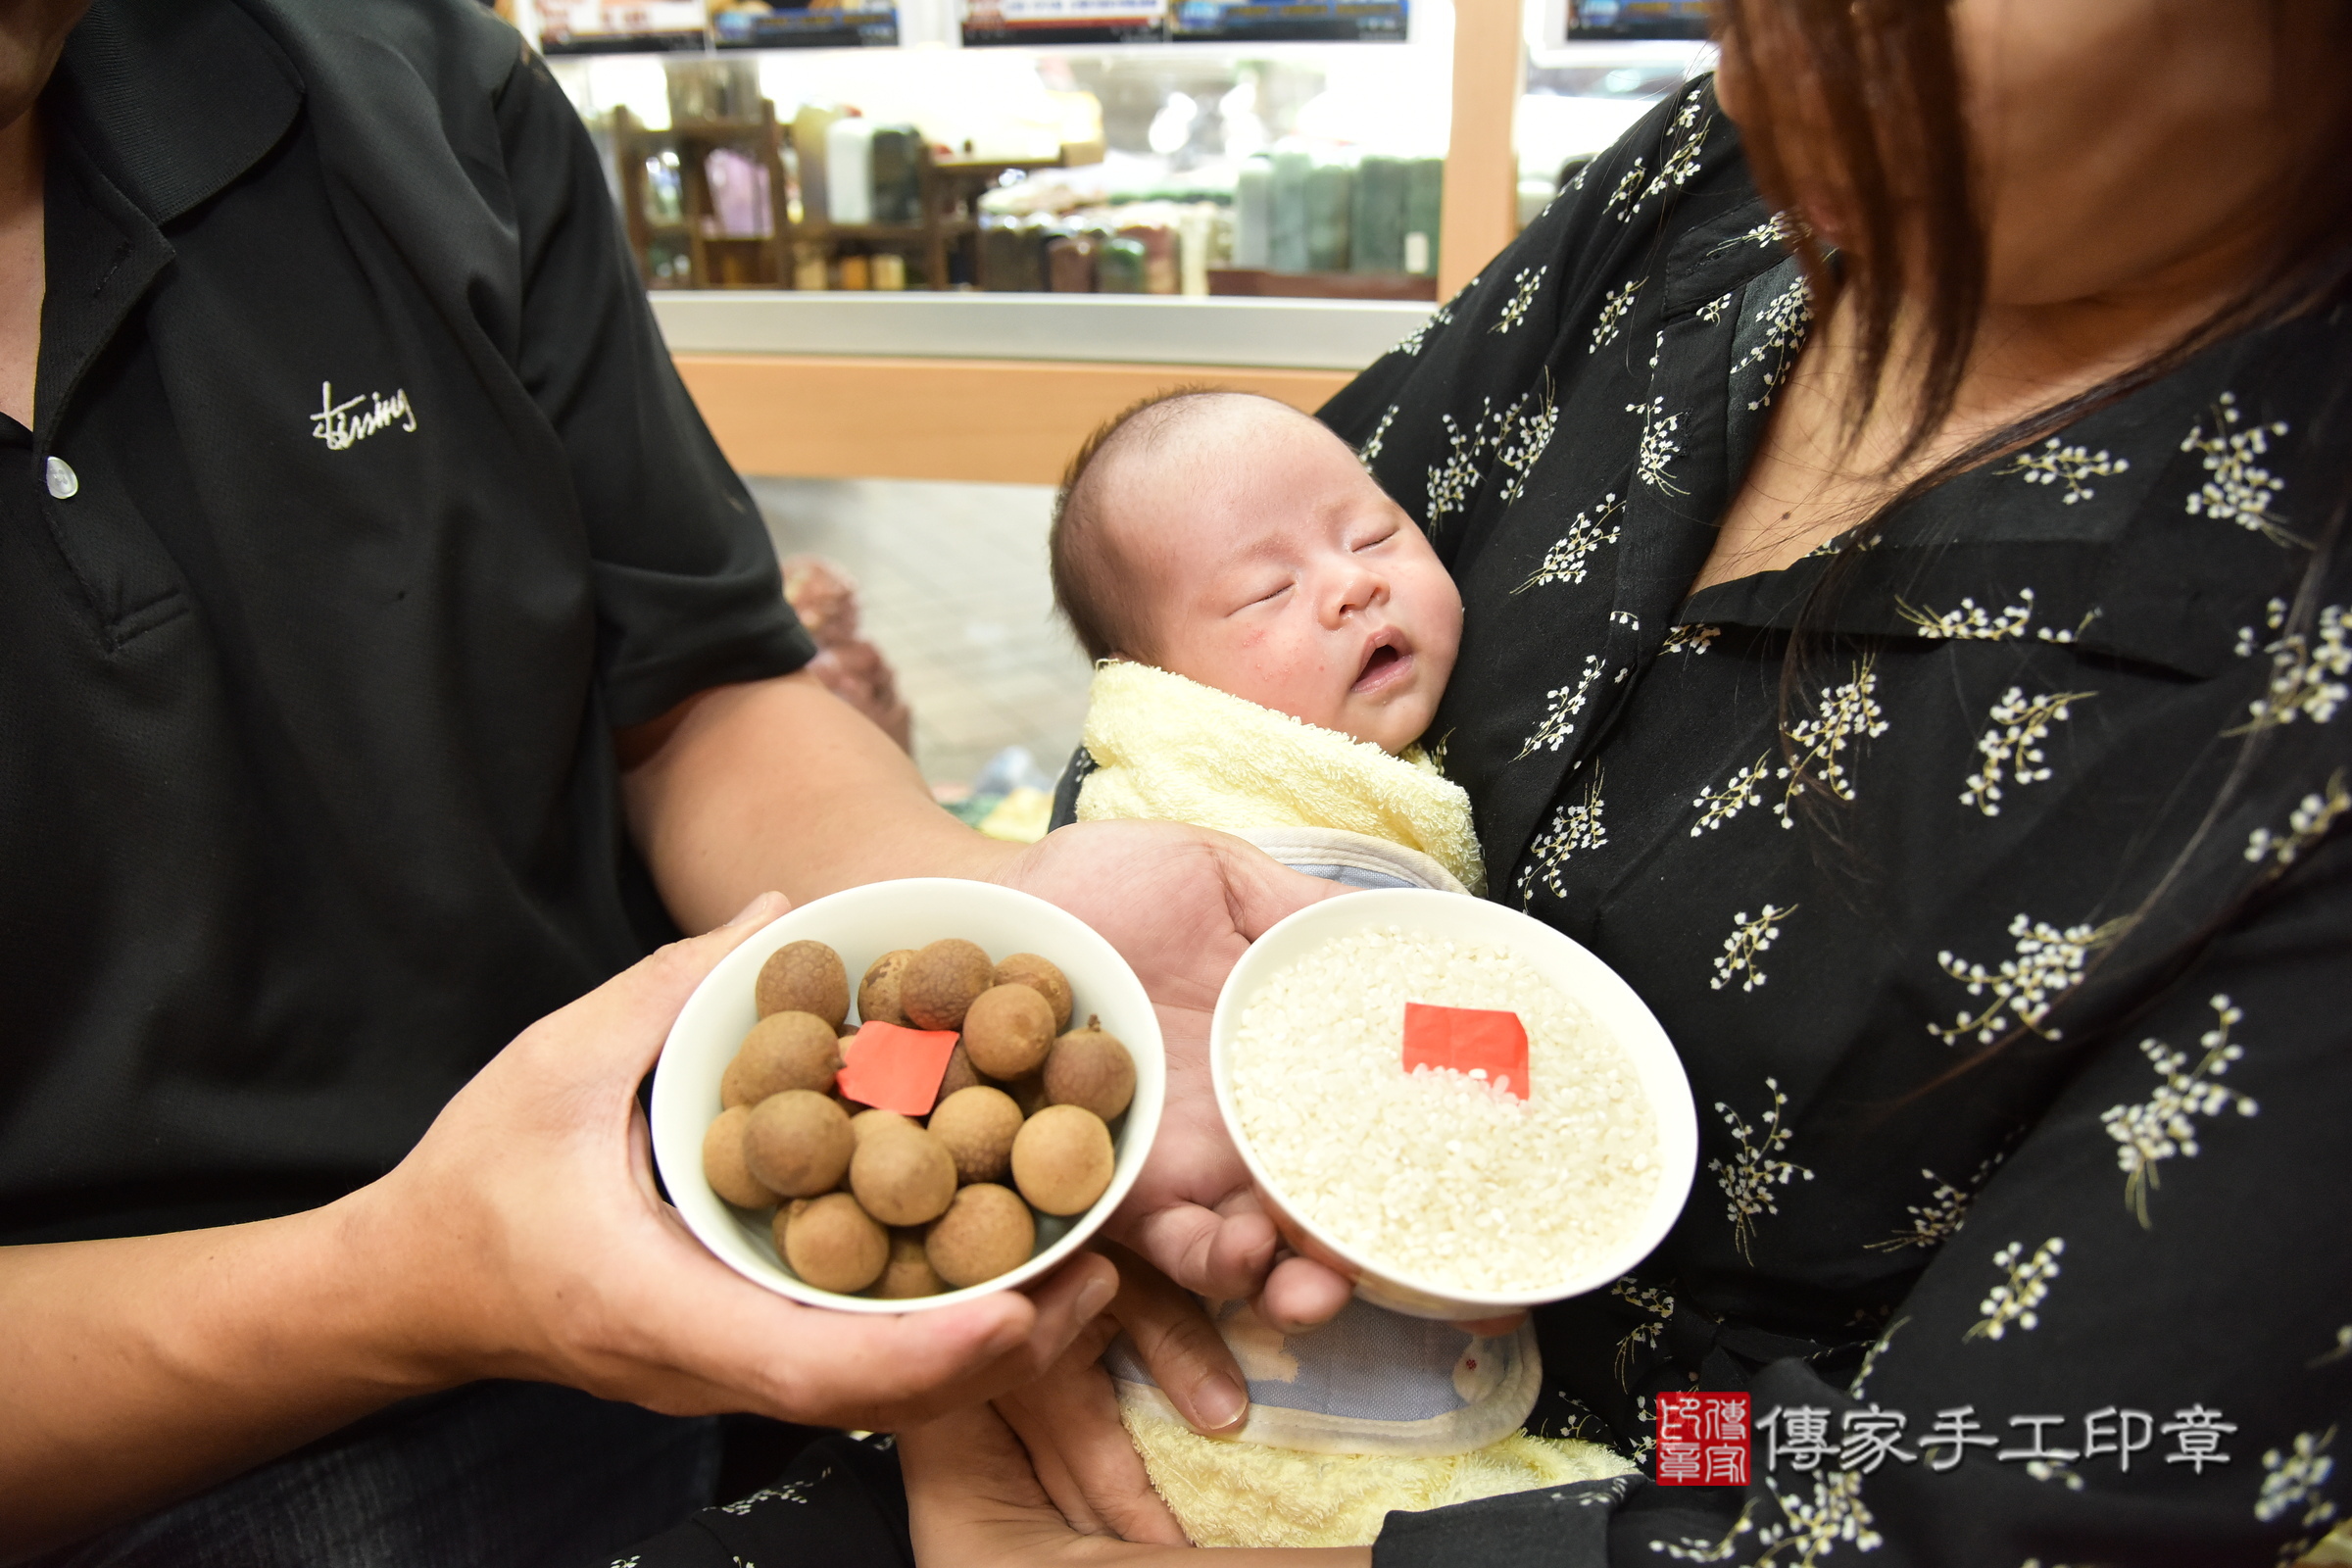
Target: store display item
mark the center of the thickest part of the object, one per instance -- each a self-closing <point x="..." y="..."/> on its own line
<point x="1288" y="20"/>
<point x="783" y="24"/>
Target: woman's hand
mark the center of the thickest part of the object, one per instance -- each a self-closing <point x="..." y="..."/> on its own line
<point x="525" y="1237"/>
<point x="1069" y="1419"/>
<point x="1182" y="904"/>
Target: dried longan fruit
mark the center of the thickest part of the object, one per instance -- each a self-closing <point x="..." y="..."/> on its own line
<point x="1090" y="1067"/>
<point x="784" y="1051"/>
<point x="960" y="1073"/>
<point x="878" y="992"/>
<point x="1008" y="1029"/>
<point x="977" y="1126"/>
<point x="797" y="1142"/>
<point x="941" y="980"/>
<point x="903" y="1178"/>
<point x="804" y="977"/>
<point x="987" y="1231"/>
<point x="908" y="1272"/>
<point x="722" y="1162"/>
<point x="865" y="1123"/>
<point x="832" y="1244"/>
<point x="1062" y="1159"/>
<point x="1028" y="1092"/>
<point x="1042" y="976"/>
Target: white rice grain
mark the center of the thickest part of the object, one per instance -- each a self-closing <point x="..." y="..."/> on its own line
<point x="1432" y="1175"/>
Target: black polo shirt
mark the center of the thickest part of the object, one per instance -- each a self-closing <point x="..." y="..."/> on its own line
<point x="361" y="505"/>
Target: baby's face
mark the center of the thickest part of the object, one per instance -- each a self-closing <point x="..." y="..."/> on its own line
<point x="1279" y="571"/>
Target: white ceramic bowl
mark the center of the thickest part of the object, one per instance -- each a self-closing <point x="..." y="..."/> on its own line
<point x="1608" y="1000"/>
<point x="862" y="924"/>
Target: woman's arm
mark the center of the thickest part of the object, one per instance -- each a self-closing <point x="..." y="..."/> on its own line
<point x="522" y="1238"/>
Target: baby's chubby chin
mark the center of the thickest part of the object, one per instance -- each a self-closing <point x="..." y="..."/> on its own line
<point x="1392" y="697"/>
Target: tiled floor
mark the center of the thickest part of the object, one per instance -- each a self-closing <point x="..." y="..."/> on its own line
<point x="952" y="589"/>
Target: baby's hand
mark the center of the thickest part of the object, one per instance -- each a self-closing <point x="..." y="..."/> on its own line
<point x="1182" y="904"/>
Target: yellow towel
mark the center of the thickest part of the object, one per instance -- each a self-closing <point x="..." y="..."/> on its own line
<point x="1170" y="750"/>
<point x="1227" y="1494"/>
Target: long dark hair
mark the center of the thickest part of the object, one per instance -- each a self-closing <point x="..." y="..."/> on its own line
<point x="1874" y="89"/>
<point x="1877" y="85"/>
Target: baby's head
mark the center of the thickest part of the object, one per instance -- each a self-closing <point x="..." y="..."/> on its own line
<point x="1232" y="540"/>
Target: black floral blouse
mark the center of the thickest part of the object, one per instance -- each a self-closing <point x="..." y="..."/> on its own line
<point x="2008" y="948"/>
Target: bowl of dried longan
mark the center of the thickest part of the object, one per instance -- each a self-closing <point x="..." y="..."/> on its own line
<point x="908" y="1094"/>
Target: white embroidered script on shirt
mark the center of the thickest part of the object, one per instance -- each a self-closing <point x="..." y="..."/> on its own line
<point x="339" y="425"/>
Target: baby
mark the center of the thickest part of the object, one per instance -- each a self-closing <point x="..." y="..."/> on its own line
<point x="1272" y="634"/>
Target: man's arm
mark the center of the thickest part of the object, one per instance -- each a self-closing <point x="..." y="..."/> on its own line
<point x="780" y="784"/>
<point x="522" y="1238"/>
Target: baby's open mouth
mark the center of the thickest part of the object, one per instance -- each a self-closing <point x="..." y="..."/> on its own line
<point x="1382" y="663"/>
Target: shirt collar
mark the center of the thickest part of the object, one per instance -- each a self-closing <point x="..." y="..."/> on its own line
<point x="172" y="101"/>
<point x="2091" y="539"/>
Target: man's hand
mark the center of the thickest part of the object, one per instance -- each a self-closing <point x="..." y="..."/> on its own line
<point x="1182" y="904"/>
<point x="530" y="1244"/>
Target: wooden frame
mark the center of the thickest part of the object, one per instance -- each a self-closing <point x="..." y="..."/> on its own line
<point x="1006" y="421"/>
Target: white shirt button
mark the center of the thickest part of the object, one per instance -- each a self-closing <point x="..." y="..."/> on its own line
<point x="63" y="480"/>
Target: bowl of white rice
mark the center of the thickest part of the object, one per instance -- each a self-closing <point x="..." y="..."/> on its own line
<point x="1439" y="1193"/>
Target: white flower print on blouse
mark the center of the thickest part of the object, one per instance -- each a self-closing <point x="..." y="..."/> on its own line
<point x="1563" y="704"/>
<point x="2164" y="1126"/>
<point x="2048" y="964"/>
<point x="1846" y="714"/>
<point x="2017" y="1300"/>
<point x="1683" y="162"/>
<point x="1748" y="1178"/>
<point x="1613" y="308"/>
<point x="1369" y="452"/>
<point x="2292" y="1479"/>
<point x="2012" y="746"/>
<point x="2306" y="825"/>
<point x="2308" y="672"/>
<point x="1626" y="192"/>
<point x="1443" y="315"/>
<point x="1568" y="561"/>
<point x="1746" y="789"/>
<point x="1936" y="1221"/>
<point x="1712" y="311"/>
<point x="1810" y="1530"/>
<point x="1658" y="445"/>
<point x="1656" y="1307"/>
<point x="1693" y="638"/>
<point x="1524" y="284"/>
<point x="1525" y="432"/>
<point x="1972" y="623"/>
<point x="1515" y="436"/>
<point x="1748" y="942"/>
<point x="1777" y="233"/>
<point x="2068" y="465"/>
<point x="2236" y="488"/>
<point x="1574" y="826"/>
<point x="1785" y="318"/>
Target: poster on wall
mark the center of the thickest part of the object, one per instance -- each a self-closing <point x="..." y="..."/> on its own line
<point x="803" y="25"/>
<point x="1637" y="19"/>
<point x="620" y="27"/>
<point x="1277" y="20"/>
<point x="1035" y="22"/>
